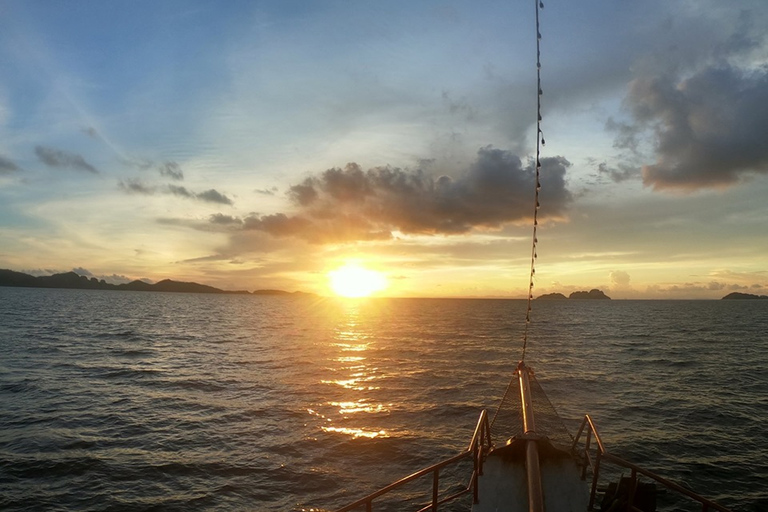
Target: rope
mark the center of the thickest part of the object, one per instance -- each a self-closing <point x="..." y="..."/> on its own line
<point x="534" y="240"/>
<point x="539" y="144"/>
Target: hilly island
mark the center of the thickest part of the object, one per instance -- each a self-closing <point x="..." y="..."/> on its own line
<point x="76" y="281"/>
<point x="591" y="294"/>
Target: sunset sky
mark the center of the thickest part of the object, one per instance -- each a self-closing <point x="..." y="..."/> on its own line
<point x="263" y="144"/>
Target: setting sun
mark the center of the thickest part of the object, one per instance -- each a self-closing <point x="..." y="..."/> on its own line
<point x="355" y="281"/>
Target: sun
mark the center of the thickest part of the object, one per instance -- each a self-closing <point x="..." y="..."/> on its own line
<point x="352" y="280"/>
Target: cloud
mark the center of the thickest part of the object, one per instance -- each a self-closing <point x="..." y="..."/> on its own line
<point x="121" y="279"/>
<point x="171" y="170"/>
<point x="210" y="196"/>
<point x="59" y="158"/>
<point x="136" y="162"/>
<point x="111" y="279"/>
<point x="707" y="130"/>
<point x="91" y="132"/>
<point x="213" y="196"/>
<point x="225" y="220"/>
<point x="350" y="204"/>
<point x="267" y="191"/>
<point x="619" y="279"/>
<point x="37" y="272"/>
<point x="136" y="186"/>
<point x="167" y="169"/>
<point x="622" y="171"/>
<point x="178" y="190"/>
<point x="7" y="166"/>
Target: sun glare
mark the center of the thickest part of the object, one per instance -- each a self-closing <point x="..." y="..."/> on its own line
<point x="355" y="281"/>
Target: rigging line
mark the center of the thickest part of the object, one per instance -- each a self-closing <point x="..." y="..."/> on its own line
<point x="539" y="144"/>
<point x="534" y="241"/>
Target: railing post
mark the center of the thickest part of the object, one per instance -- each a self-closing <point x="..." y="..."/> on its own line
<point x="480" y="461"/>
<point x="369" y="506"/>
<point x="476" y="470"/>
<point x="587" y="444"/>
<point x="435" y="483"/>
<point x="595" y="475"/>
<point x="632" y="487"/>
<point x="578" y="434"/>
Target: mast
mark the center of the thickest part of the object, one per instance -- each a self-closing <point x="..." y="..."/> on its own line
<point x="533" y="471"/>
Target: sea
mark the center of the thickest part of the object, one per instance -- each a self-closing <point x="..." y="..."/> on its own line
<point x="136" y="401"/>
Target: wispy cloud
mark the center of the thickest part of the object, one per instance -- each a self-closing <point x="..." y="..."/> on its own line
<point x="137" y="186"/>
<point x="91" y="132"/>
<point x="267" y="191"/>
<point x="171" y="170"/>
<point x="209" y="196"/>
<point x="7" y="166"/>
<point x="60" y="158"/>
<point x="224" y="220"/>
<point x="621" y="172"/>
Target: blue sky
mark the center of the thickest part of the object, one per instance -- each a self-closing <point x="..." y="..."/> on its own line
<point x="263" y="144"/>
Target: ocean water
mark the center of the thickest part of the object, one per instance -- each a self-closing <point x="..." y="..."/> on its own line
<point x="158" y="401"/>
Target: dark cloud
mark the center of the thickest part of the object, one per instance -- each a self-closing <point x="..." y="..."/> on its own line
<point x="7" y="166"/>
<point x="225" y="220"/>
<point x="213" y="196"/>
<point x="136" y="186"/>
<point x="707" y="130"/>
<point x="210" y="196"/>
<point x="178" y="190"/>
<point x="351" y="204"/>
<point x="171" y="170"/>
<point x="59" y="158"/>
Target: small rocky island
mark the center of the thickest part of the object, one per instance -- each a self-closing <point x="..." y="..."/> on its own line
<point x="743" y="296"/>
<point x="591" y="294"/>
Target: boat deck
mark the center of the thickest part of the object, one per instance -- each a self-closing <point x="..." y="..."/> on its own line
<point x="502" y="486"/>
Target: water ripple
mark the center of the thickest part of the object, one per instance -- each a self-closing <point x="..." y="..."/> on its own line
<point x="135" y="401"/>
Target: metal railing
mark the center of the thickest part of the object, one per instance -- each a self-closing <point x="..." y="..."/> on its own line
<point x="478" y="447"/>
<point x="602" y="455"/>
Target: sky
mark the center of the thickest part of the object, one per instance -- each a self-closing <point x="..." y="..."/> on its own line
<point x="263" y="144"/>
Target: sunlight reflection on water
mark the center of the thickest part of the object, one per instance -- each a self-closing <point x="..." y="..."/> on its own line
<point x="357" y="376"/>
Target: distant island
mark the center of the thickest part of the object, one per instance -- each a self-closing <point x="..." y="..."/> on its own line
<point x="591" y="294"/>
<point x="743" y="296"/>
<point x="73" y="280"/>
